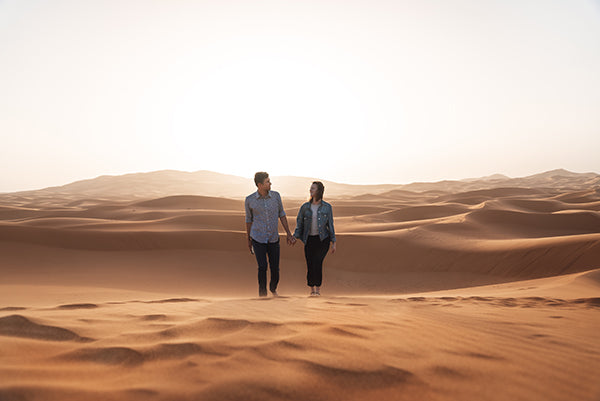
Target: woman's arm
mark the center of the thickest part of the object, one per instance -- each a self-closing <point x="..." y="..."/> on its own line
<point x="330" y="223"/>
<point x="299" y="223"/>
<point x="332" y="231"/>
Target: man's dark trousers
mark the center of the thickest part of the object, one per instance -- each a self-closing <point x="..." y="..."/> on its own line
<point x="261" y="251"/>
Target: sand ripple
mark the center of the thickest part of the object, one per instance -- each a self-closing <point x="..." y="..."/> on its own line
<point x="20" y="326"/>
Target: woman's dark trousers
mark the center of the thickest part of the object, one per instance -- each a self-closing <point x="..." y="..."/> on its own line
<point x="261" y="251"/>
<point x="315" y="251"/>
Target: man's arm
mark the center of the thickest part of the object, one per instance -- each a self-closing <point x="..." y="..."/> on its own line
<point x="249" y="220"/>
<point x="284" y="223"/>
<point x="248" y="228"/>
<point x="290" y="238"/>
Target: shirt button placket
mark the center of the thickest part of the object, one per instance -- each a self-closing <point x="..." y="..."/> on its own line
<point x="267" y="221"/>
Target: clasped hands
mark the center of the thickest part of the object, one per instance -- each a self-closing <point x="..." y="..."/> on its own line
<point x="291" y="240"/>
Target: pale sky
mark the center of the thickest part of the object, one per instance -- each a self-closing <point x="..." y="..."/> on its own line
<point x="350" y="91"/>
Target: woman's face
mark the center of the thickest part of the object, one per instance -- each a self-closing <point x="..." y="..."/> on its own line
<point x="313" y="190"/>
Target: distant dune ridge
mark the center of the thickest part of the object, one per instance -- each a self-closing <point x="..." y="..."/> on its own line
<point x="484" y="231"/>
<point x="164" y="183"/>
<point x="141" y="287"/>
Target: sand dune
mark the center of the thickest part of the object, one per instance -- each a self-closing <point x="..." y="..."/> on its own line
<point x="19" y="326"/>
<point x="412" y="213"/>
<point x="520" y="224"/>
<point x="158" y="184"/>
<point x="485" y="194"/>
<point x="579" y="197"/>
<point x="477" y="289"/>
<point x="512" y="233"/>
<point x="192" y="202"/>
<point x="503" y="342"/>
<point x="542" y="206"/>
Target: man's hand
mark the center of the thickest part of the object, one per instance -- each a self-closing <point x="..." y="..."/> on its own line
<point x="333" y="248"/>
<point x="250" y="245"/>
<point x="291" y="240"/>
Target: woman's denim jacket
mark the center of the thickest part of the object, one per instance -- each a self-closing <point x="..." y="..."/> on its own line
<point x="324" y="220"/>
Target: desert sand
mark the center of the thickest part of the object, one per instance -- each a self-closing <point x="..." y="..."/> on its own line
<point x="480" y="289"/>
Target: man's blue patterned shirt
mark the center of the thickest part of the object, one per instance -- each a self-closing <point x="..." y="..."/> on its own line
<point x="264" y="213"/>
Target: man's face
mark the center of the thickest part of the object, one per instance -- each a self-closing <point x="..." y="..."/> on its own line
<point x="265" y="185"/>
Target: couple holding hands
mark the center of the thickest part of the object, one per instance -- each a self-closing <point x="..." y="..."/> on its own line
<point x="314" y="227"/>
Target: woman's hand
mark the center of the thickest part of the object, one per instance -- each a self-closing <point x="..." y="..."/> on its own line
<point x="333" y="248"/>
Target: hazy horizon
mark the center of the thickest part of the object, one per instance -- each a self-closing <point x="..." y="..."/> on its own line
<point x="353" y="92"/>
<point x="250" y="178"/>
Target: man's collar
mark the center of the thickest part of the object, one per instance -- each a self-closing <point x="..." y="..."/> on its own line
<point x="258" y="195"/>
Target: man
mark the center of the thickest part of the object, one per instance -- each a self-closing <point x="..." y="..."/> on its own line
<point x="263" y="208"/>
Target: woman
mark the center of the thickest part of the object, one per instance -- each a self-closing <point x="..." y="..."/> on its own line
<point x="314" y="227"/>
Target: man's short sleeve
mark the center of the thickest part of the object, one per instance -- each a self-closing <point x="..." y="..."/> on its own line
<point x="249" y="217"/>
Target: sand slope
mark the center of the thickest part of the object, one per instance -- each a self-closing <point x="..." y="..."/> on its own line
<point x="393" y="243"/>
<point x="477" y="289"/>
<point x="515" y="341"/>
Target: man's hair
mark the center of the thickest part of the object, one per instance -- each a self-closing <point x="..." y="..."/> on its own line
<point x="260" y="177"/>
<point x="320" y="191"/>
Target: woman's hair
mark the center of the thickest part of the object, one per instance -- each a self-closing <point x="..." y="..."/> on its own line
<point x="320" y="190"/>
